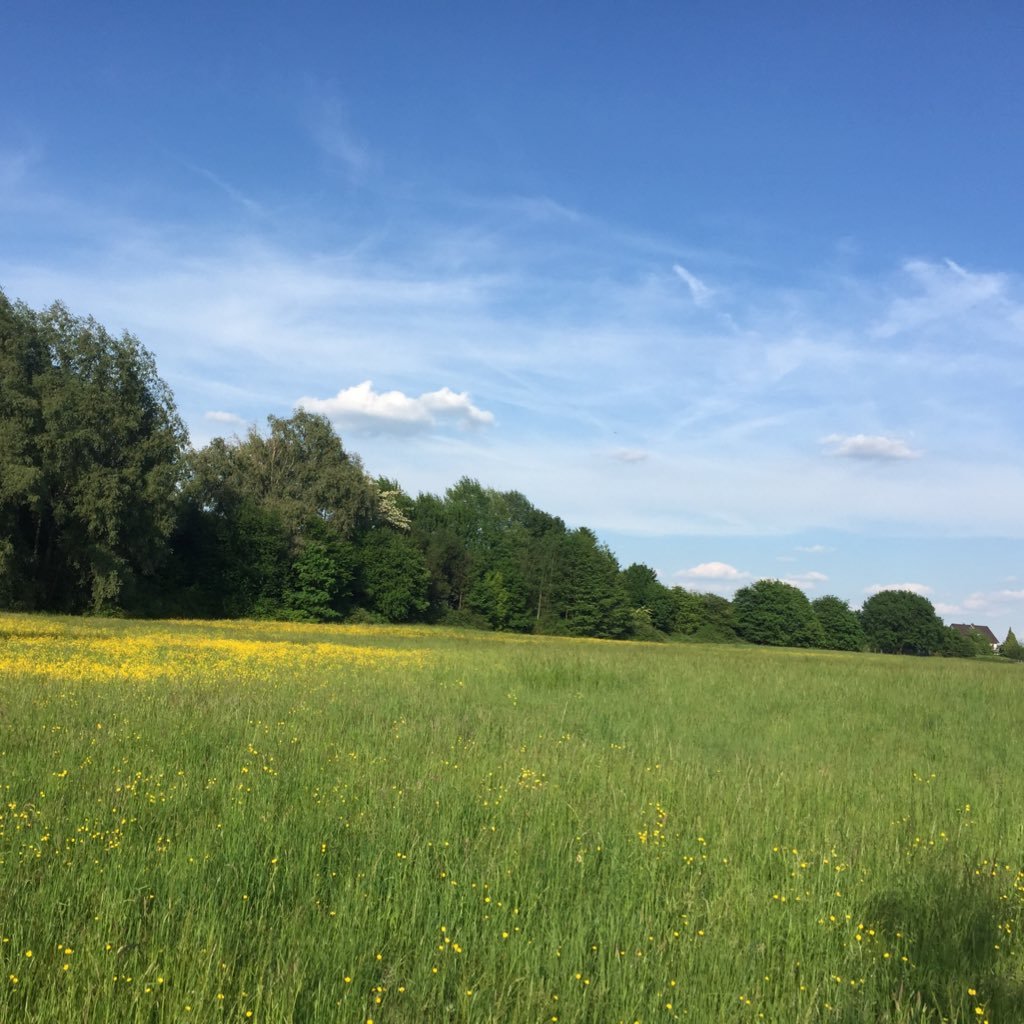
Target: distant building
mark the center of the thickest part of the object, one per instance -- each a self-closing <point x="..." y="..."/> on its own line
<point x="967" y="628"/>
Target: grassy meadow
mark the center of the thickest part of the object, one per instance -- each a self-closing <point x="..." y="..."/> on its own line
<point x="275" y="823"/>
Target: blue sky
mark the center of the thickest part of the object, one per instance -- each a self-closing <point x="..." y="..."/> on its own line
<point x="741" y="286"/>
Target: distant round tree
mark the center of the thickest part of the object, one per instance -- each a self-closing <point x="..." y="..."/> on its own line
<point x="776" y="613"/>
<point x="902" y="622"/>
<point x="1012" y="648"/>
<point x="839" y="625"/>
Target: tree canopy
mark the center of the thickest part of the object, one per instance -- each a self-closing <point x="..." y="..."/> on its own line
<point x="776" y="613"/>
<point x="91" y="450"/>
<point x="840" y="627"/>
<point x="902" y="622"/>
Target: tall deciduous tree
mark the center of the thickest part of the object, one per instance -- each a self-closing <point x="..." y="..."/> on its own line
<point x="272" y="517"/>
<point x="299" y="470"/>
<point x="91" y="447"/>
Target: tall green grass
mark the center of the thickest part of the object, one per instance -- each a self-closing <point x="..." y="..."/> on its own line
<point x="503" y="829"/>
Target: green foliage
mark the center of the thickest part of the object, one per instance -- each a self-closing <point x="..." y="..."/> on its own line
<point x="956" y="645"/>
<point x="321" y="581"/>
<point x="706" y="618"/>
<point x="465" y="619"/>
<point x="491" y="552"/>
<point x="591" y="595"/>
<point x="777" y="614"/>
<point x="840" y="626"/>
<point x="717" y="621"/>
<point x="1011" y="648"/>
<point x="643" y="628"/>
<point x="499" y="600"/>
<point x="363" y="617"/>
<point x="901" y="622"/>
<point x="300" y="472"/>
<point x="979" y="643"/>
<point x="90" y="458"/>
<point x="272" y="519"/>
<point x="393" y="576"/>
<point x="644" y="591"/>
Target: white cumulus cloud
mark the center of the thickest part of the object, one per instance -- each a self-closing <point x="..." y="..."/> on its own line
<point x="713" y="571"/>
<point x="230" y="418"/>
<point x="915" y="588"/>
<point x="362" y="406"/>
<point x="868" y="446"/>
<point x="806" y="580"/>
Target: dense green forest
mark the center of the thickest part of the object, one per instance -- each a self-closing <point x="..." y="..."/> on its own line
<point x="105" y="508"/>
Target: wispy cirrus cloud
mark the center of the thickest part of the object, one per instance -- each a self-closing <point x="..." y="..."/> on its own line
<point x="246" y="202"/>
<point x="576" y="355"/>
<point x="361" y="406"/>
<point x="943" y="291"/>
<point x="868" y="446"/>
<point x="16" y="165"/>
<point x="700" y="292"/>
<point x="330" y="125"/>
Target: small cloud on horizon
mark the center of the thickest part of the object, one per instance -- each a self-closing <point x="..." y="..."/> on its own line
<point x="362" y="406"/>
<point x="230" y="418"/>
<point x="629" y="455"/>
<point x="915" y="588"/>
<point x="867" y="446"/>
<point x="814" y="549"/>
<point x="806" y="580"/>
<point x="979" y="606"/>
<point x="720" y="571"/>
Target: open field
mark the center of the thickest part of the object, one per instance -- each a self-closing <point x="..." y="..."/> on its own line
<point x="238" y="821"/>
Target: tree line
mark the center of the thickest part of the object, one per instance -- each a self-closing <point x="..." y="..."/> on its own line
<point x="105" y="508"/>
